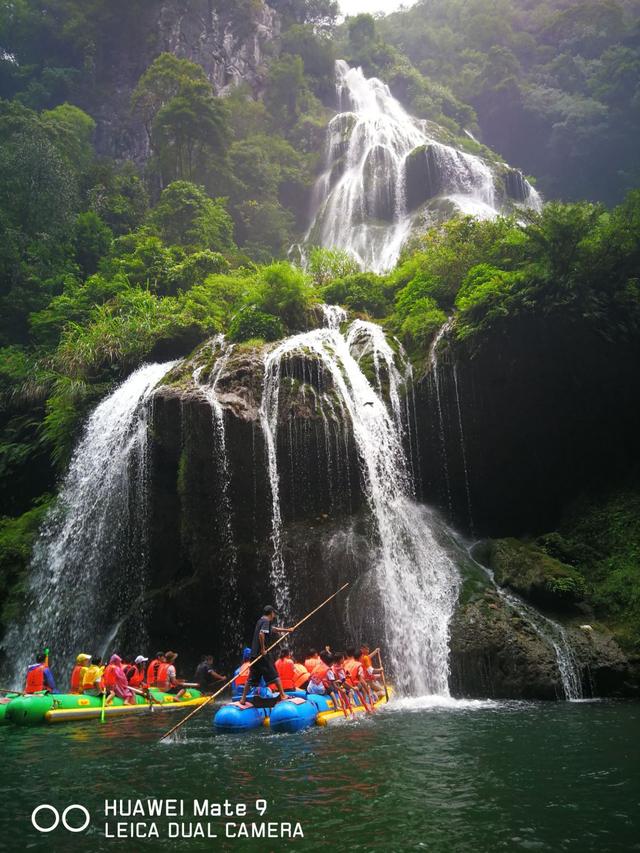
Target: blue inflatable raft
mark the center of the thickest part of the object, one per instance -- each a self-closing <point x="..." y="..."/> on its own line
<point x="298" y="712"/>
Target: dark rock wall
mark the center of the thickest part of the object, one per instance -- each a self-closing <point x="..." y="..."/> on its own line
<point x="546" y="412"/>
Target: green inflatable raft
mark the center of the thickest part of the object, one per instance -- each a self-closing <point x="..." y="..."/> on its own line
<point x="40" y="708"/>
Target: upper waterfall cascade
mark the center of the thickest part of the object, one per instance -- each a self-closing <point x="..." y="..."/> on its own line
<point x="383" y="167"/>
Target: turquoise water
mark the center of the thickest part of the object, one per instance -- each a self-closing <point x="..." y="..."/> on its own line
<point x="468" y="777"/>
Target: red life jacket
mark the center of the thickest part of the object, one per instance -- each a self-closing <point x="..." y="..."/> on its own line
<point x="311" y="663"/>
<point x="109" y="676"/>
<point x="301" y="675"/>
<point x="152" y="672"/>
<point x="35" y="679"/>
<point x="352" y="668"/>
<point x="286" y="671"/>
<point x="318" y="676"/>
<point x="162" y="677"/>
<point x="243" y="675"/>
<point x="77" y="678"/>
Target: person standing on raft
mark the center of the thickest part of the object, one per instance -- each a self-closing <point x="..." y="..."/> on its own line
<point x="264" y="666"/>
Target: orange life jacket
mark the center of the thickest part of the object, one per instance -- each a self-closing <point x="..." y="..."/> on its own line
<point x="35" y="679"/>
<point x="152" y="672"/>
<point x="136" y="678"/>
<point x="319" y="672"/>
<point x="352" y="668"/>
<point x="286" y="671"/>
<point x="311" y="663"/>
<point x="109" y="676"/>
<point x="162" y="678"/>
<point x="77" y="678"/>
<point x="301" y="675"/>
<point x="243" y="675"/>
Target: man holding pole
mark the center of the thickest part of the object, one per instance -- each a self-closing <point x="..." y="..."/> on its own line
<point x="264" y="667"/>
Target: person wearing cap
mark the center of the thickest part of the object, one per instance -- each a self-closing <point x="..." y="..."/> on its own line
<point x="264" y="667"/>
<point x="206" y="676"/>
<point x="78" y="673"/>
<point x="135" y="672"/>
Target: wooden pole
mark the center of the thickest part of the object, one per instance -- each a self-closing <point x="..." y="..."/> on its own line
<point x="272" y="646"/>
<point x="384" y="681"/>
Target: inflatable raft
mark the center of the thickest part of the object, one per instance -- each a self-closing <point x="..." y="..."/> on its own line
<point x="39" y="708"/>
<point x="299" y="711"/>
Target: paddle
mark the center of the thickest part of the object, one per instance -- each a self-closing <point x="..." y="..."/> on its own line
<point x="104" y="700"/>
<point x="199" y="708"/>
<point x="384" y="681"/>
<point x="9" y="690"/>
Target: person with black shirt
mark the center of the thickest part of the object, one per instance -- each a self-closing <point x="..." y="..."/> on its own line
<point x="206" y="676"/>
<point x="264" y="667"/>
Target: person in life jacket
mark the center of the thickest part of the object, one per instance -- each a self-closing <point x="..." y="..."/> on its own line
<point x="286" y="669"/>
<point x="40" y="677"/>
<point x="313" y="659"/>
<point x="354" y="669"/>
<point x="152" y="669"/>
<point x="372" y="674"/>
<point x="135" y="672"/>
<point x="92" y="683"/>
<point x="342" y="688"/>
<point x="167" y="679"/>
<point x="320" y="679"/>
<point x="116" y="683"/>
<point x="301" y="674"/>
<point x="356" y="676"/>
<point x="78" y="672"/>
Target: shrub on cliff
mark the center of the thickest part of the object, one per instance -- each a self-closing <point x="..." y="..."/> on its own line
<point x="252" y="323"/>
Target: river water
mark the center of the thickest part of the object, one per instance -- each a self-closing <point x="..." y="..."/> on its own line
<point x="477" y="776"/>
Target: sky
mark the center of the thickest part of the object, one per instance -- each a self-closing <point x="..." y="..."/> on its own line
<point x="355" y="7"/>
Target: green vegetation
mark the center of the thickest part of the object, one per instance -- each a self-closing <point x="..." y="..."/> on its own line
<point x="105" y="263"/>
<point x="592" y="560"/>
<point x="553" y="86"/>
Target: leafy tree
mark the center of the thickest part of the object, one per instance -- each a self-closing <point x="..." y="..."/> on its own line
<point x="71" y="131"/>
<point x="186" y="216"/>
<point x="92" y="239"/>
<point x="185" y="123"/>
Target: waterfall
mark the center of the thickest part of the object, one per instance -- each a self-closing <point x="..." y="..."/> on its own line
<point x="414" y="580"/>
<point x="87" y="572"/>
<point x="463" y="446"/>
<point x="550" y="631"/>
<point x="433" y="362"/>
<point x="209" y="386"/>
<point x="383" y="165"/>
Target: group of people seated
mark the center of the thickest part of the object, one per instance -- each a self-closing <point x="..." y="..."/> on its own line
<point x="121" y="679"/>
<point x="342" y="676"/>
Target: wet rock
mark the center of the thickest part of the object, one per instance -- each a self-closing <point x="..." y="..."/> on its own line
<point x="493" y="655"/>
